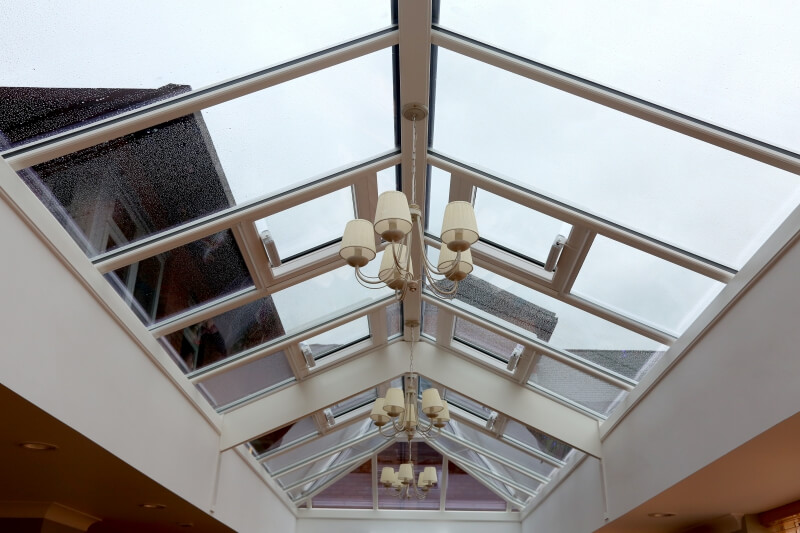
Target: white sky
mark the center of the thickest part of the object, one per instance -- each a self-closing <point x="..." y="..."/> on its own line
<point x="730" y="62"/>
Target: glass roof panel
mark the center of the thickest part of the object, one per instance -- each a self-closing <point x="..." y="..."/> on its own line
<point x="466" y="404"/>
<point x="182" y="278"/>
<point x="353" y="491"/>
<point x="388" y="179"/>
<point x="163" y="52"/>
<point x="247" y="380"/>
<point x="430" y="320"/>
<point x="309" y="225"/>
<point x="664" y="52"/>
<point x="289" y="311"/>
<point x="515" y="227"/>
<point x="322" y="444"/>
<point x="465" y="493"/>
<point x="354" y="402"/>
<point x="438" y="196"/>
<point x="583" y="389"/>
<point x="422" y="455"/>
<point x="285" y="436"/>
<point x="331" y="462"/>
<point x="484" y="340"/>
<point x="537" y="440"/>
<point x="337" y="338"/>
<point x="205" y="162"/>
<point x="527" y="312"/>
<point x="643" y="287"/>
<point x="394" y="320"/>
<point x="688" y="193"/>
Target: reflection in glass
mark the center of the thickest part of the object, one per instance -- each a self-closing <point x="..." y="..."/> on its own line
<point x="337" y="338"/>
<point x="537" y="440"/>
<point x="430" y="320"/>
<point x="674" y="63"/>
<point x="289" y="311"/>
<point x="585" y="390"/>
<point x="484" y="340"/>
<point x="704" y="199"/>
<point x="466" y="404"/>
<point x="246" y="380"/>
<point x="394" y="320"/>
<point x="517" y="228"/>
<point x="353" y="491"/>
<point x="140" y="50"/>
<point x="309" y="225"/>
<point x="464" y="493"/>
<point x="354" y="402"/>
<point x="643" y="287"/>
<point x="182" y="278"/>
<point x="422" y="455"/>
<point x="285" y="436"/>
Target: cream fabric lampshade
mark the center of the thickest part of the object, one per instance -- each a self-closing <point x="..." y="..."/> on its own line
<point x="459" y="228"/>
<point x="429" y="475"/>
<point x="358" y="243"/>
<point x="394" y="404"/>
<point x="406" y="473"/>
<point x="447" y="259"/>
<point x="387" y="476"/>
<point x="392" y="216"/>
<point x="420" y="480"/>
<point x="431" y="402"/>
<point x="378" y="415"/>
<point x="392" y="275"/>
<point x="443" y="416"/>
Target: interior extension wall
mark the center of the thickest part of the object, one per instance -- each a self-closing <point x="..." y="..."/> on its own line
<point x="63" y="352"/>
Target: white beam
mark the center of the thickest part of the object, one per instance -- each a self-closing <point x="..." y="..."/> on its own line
<point x="414" y="22"/>
<point x="636" y="107"/>
<point x="316" y="392"/>
<point x="154" y="114"/>
<point x="520" y="403"/>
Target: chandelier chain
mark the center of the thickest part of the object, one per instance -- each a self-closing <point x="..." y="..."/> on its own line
<point x="414" y="159"/>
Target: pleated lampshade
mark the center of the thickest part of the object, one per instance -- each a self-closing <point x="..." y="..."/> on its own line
<point x="388" y="476"/>
<point x="447" y="259"/>
<point x="406" y="473"/>
<point x="358" y="243"/>
<point x="392" y="216"/>
<point x="459" y="228"/>
<point x="429" y="475"/>
<point x="394" y="404"/>
<point x="443" y="416"/>
<point x="378" y="415"/>
<point x="392" y="275"/>
<point x="431" y="402"/>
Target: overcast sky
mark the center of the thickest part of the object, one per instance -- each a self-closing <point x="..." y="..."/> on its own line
<point x="730" y="62"/>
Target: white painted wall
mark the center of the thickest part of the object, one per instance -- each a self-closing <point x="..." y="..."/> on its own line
<point x="576" y="506"/>
<point x="65" y="353"/>
<point x="332" y="525"/>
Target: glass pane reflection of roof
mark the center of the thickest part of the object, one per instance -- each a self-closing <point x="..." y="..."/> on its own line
<point x="337" y="338"/>
<point x="699" y="197"/>
<point x="664" y="52"/>
<point x="164" y="52"/>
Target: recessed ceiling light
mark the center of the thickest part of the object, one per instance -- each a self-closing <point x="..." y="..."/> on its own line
<point x="153" y="505"/>
<point x="660" y="515"/>
<point x="39" y="446"/>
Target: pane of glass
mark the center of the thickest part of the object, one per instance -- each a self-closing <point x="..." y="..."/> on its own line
<point x="280" y="438"/>
<point x="329" y="463"/>
<point x="311" y="224"/>
<point x="338" y="338"/>
<point x="286" y="312"/>
<point x="686" y="192"/>
<point x="182" y="278"/>
<point x="513" y="226"/>
<point x="643" y="286"/>
<point x="537" y="440"/>
<point x="438" y="197"/>
<point x="526" y="311"/>
<point x="394" y="320"/>
<point x="202" y="163"/>
<point x="387" y="179"/>
<point x="466" y="404"/>
<point x="491" y="443"/>
<point x="430" y="319"/>
<point x="166" y="52"/>
<point x="316" y="446"/>
<point x="464" y="493"/>
<point x="572" y="384"/>
<point x="484" y="340"/>
<point x="664" y="52"/>
<point x="246" y="380"/>
<point x="353" y="491"/>
<point x="354" y="402"/>
<point x="422" y="455"/>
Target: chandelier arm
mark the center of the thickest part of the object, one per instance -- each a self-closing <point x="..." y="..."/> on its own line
<point x="368" y="279"/>
<point x="435" y="286"/>
<point x="389" y="435"/>
<point x="430" y="266"/>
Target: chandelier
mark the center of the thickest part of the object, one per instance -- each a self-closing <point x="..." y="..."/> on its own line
<point x="398" y="411"/>
<point x="396" y="222"/>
